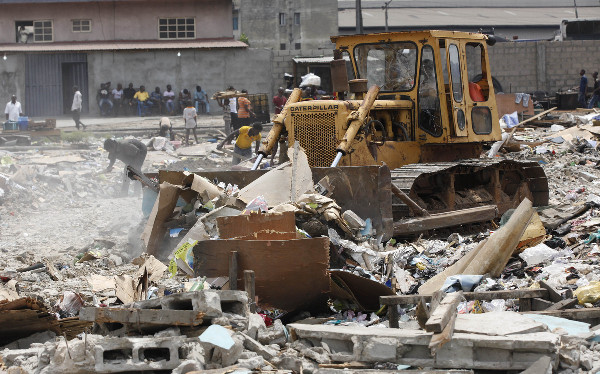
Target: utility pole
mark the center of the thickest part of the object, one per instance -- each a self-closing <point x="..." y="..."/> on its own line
<point x="385" y="8"/>
<point x="359" y="23"/>
<point x="575" y="4"/>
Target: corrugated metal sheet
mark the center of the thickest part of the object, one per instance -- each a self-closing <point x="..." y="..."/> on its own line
<point x="44" y="81"/>
<point x="476" y="16"/>
<point x="121" y="45"/>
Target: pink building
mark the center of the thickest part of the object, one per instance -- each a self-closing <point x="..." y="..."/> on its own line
<point x="47" y="46"/>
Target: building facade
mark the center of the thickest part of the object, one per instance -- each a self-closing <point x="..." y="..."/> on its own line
<point x="290" y="29"/>
<point x="46" y="47"/>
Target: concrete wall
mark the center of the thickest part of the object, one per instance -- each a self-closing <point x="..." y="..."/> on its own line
<point x="119" y="20"/>
<point x="259" y="20"/>
<point x="544" y="65"/>
<point x="214" y="70"/>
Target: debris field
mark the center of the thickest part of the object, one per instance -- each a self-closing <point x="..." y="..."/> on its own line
<point x="289" y="269"/>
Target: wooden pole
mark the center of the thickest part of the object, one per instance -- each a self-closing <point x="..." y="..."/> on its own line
<point x="522" y="123"/>
<point x="233" y="270"/>
<point x="416" y="209"/>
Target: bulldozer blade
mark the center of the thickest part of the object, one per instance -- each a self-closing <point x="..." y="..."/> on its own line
<point x="366" y="190"/>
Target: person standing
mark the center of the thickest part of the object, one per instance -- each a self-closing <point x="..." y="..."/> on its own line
<point x="13" y="109"/>
<point x="201" y="101"/>
<point x="190" y="116"/>
<point x="226" y="115"/>
<point x="583" y="82"/>
<point x="130" y="152"/>
<point x="279" y="100"/>
<point x="244" y="110"/>
<point x="596" y="93"/>
<point x="76" y="107"/>
<point x="233" y="109"/>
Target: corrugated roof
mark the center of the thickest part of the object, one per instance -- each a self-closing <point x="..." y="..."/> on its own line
<point x="347" y="4"/>
<point x="118" y="45"/>
<point x="481" y="17"/>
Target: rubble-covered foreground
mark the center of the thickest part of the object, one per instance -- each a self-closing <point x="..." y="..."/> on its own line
<point x="94" y="282"/>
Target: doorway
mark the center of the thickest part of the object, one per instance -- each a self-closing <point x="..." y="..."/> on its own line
<point x="74" y="74"/>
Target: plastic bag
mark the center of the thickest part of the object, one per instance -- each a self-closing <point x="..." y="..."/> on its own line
<point x="69" y="305"/>
<point x="538" y="254"/>
<point x="310" y="79"/>
<point x="588" y="294"/>
<point x="258" y="204"/>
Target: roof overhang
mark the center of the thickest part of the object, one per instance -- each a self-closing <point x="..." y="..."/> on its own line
<point x="121" y="45"/>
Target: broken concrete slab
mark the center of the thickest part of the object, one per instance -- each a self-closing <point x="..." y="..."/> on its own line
<point x="410" y="347"/>
<point x="497" y="323"/>
<point x="302" y="281"/>
<point x="212" y="303"/>
<point x="265" y="352"/>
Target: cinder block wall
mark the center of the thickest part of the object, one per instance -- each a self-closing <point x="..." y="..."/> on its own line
<point x="543" y="65"/>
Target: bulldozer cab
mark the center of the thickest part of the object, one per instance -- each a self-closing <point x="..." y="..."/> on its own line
<point x="444" y="75"/>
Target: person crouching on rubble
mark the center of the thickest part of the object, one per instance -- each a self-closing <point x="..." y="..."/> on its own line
<point x="166" y="128"/>
<point x="131" y="152"/>
<point x="243" y="144"/>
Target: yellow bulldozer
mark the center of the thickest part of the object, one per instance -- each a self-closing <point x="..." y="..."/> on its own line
<point x="421" y="103"/>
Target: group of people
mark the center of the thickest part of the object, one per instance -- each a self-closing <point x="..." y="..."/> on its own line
<point x="128" y="101"/>
<point x="583" y="91"/>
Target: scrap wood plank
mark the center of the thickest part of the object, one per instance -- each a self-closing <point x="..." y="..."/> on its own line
<point x="483" y="296"/>
<point x="583" y="315"/>
<point x="553" y="295"/>
<point x="444" y="313"/>
<point x="563" y="304"/>
<point x="438" y="340"/>
<point x="142" y="316"/>
<point x="447" y="219"/>
<point x="289" y="274"/>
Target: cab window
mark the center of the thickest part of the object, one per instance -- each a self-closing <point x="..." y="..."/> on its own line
<point x="391" y="66"/>
<point x="428" y="99"/>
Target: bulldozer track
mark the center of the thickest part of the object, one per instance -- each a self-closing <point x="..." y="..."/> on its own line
<point x="447" y="186"/>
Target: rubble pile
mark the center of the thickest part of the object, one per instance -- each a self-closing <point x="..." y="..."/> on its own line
<point x="292" y="269"/>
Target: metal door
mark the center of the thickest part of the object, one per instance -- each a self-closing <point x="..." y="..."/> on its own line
<point x="46" y="82"/>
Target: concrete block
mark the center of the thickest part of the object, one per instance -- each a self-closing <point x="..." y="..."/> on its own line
<point x="142" y="316"/>
<point x="275" y="334"/>
<point x="464" y="351"/>
<point x="266" y="352"/>
<point x="114" y="355"/>
<point x="379" y="349"/>
<point x="255" y="323"/>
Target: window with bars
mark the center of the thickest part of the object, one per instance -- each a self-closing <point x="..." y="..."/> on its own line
<point x="42" y="31"/>
<point x="82" y="25"/>
<point x="176" y="28"/>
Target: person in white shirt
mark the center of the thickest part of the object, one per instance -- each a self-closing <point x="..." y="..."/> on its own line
<point x="13" y="109"/>
<point x="76" y="107"/>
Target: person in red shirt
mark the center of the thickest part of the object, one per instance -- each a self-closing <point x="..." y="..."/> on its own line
<point x="244" y="110"/>
<point x="279" y="100"/>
